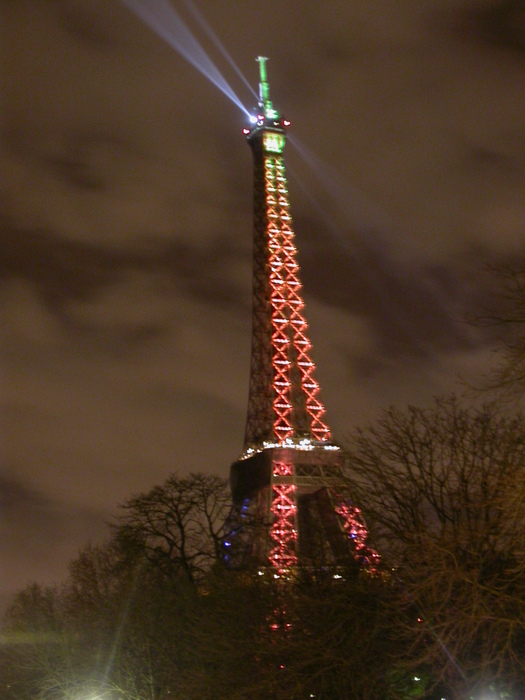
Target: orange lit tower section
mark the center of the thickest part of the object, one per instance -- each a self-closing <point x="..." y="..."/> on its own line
<point x="285" y="486"/>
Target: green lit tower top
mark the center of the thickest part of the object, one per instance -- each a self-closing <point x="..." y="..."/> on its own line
<point x="264" y="90"/>
<point x="267" y="123"/>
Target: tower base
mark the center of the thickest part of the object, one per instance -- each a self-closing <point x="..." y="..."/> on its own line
<point x="291" y="510"/>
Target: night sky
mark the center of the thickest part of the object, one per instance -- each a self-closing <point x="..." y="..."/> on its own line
<point x="126" y="223"/>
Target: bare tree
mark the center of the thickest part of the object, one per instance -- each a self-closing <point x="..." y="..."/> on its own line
<point x="443" y="490"/>
<point x="122" y="621"/>
<point x="31" y="635"/>
<point x="178" y="526"/>
<point x="506" y="319"/>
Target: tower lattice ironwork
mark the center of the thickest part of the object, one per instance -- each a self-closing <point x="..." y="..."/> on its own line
<point x="287" y="485"/>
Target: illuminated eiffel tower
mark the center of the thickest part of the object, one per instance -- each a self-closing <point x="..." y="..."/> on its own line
<point x="287" y="486"/>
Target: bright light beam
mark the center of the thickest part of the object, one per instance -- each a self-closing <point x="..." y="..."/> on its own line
<point x="209" y="31"/>
<point x="162" y="18"/>
<point x="359" y="224"/>
<point x="365" y="215"/>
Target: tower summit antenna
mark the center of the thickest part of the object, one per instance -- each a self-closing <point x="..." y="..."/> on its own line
<point x="264" y="89"/>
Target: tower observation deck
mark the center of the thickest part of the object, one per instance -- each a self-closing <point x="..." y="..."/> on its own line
<point x="287" y="486"/>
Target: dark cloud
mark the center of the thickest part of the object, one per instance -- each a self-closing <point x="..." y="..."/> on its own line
<point x="77" y="160"/>
<point x="83" y="21"/>
<point x="75" y="172"/>
<point x="62" y="269"/>
<point x="416" y="310"/>
<point x="499" y="24"/>
<point x="218" y="418"/>
<point x="59" y="268"/>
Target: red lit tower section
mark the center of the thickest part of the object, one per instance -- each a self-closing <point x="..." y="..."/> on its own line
<point x="285" y="486"/>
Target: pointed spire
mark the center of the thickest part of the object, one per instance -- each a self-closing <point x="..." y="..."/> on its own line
<point x="264" y="89"/>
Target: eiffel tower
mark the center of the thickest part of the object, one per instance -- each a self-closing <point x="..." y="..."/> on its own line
<point x="287" y="486"/>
